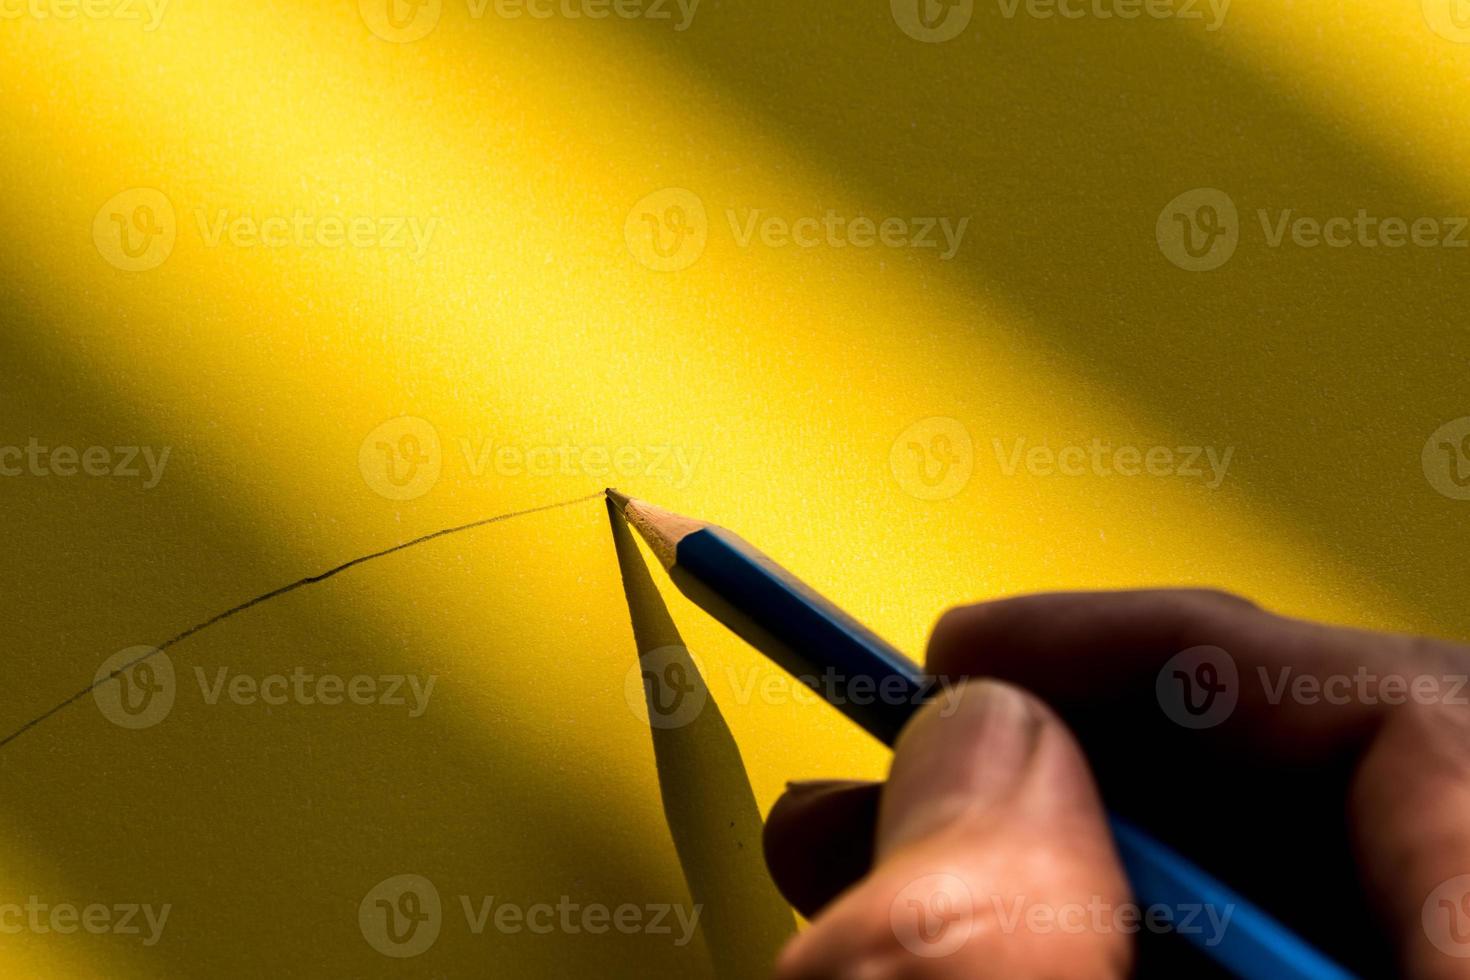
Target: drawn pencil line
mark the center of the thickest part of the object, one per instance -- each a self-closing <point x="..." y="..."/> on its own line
<point x="276" y="593"/>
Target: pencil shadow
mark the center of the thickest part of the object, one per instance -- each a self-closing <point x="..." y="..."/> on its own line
<point x="711" y="809"/>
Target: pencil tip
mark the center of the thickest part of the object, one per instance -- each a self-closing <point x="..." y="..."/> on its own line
<point x="619" y="500"/>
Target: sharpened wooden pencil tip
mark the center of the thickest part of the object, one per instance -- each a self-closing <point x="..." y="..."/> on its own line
<point x="662" y="530"/>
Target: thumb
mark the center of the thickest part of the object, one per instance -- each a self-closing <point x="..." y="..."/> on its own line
<point x="993" y="856"/>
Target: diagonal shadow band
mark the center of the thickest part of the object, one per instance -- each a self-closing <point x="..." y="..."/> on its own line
<point x="1326" y="367"/>
<point x="711" y="809"/>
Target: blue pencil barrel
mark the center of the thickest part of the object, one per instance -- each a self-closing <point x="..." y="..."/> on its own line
<point x="879" y="688"/>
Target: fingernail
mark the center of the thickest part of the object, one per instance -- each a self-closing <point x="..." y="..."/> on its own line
<point x="973" y="757"/>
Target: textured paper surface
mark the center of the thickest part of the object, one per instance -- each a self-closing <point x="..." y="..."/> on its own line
<point x="549" y="350"/>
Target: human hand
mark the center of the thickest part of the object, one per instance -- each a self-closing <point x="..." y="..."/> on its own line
<point x="1327" y="777"/>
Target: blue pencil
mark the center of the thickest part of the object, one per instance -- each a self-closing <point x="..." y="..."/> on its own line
<point x="808" y="636"/>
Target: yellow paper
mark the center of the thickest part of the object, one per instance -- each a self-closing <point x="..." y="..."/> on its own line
<point x="365" y="272"/>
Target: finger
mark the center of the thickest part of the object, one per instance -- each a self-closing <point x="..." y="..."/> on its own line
<point x="1259" y="789"/>
<point x="1408" y="805"/>
<point x="989" y="813"/>
<point x="1089" y="649"/>
<point x="819" y="840"/>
